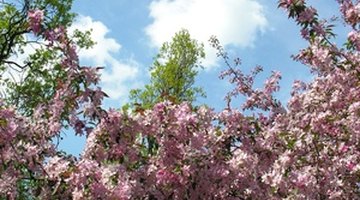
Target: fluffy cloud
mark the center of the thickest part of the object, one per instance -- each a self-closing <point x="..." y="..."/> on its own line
<point x="233" y="22"/>
<point x="118" y="73"/>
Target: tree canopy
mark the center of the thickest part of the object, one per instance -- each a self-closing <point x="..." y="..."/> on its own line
<point x="41" y="70"/>
<point x="173" y="73"/>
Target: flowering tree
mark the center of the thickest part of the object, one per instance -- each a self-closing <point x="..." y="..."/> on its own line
<point x="35" y="110"/>
<point x="309" y="150"/>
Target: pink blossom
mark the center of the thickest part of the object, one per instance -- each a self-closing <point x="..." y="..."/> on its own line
<point x="35" y="19"/>
<point x="164" y="177"/>
<point x="122" y="191"/>
<point x="56" y="166"/>
<point x="307" y="15"/>
<point x="351" y="165"/>
<point x="354" y="37"/>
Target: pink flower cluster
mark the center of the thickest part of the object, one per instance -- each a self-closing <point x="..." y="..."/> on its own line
<point x="350" y="11"/>
<point x="35" y="19"/>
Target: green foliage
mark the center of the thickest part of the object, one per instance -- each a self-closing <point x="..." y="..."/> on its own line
<point x="12" y="27"/>
<point x="82" y="39"/>
<point x="41" y="71"/>
<point x="173" y="73"/>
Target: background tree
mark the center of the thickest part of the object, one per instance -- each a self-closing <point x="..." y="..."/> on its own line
<point x="41" y="71"/>
<point x="173" y="73"/>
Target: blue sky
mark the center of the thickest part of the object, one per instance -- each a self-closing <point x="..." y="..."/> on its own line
<point x="129" y="33"/>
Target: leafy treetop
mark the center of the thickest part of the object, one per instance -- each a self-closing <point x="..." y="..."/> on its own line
<point x="173" y="73"/>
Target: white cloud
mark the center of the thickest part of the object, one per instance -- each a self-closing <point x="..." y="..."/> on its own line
<point x="118" y="73"/>
<point x="116" y="81"/>
<point x="233" y="22"/>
